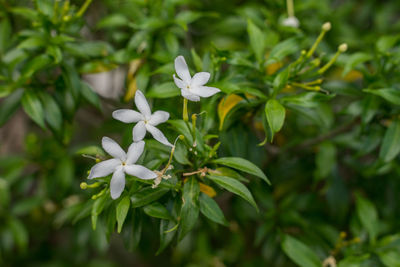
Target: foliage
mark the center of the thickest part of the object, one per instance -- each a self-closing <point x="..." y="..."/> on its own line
<point x="318" y="116"/>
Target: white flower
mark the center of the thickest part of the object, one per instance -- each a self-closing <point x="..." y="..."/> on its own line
<point x="291" y="22"/>
<point x="192" y="88"/>
<point x="145" y="120"/>
<point x="121" y="163"/>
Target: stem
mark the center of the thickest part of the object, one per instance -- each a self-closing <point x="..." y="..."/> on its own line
<point x="290" y="8"/>
<point x="316" y="43"/>
<point x="83" y="8"/>
<point x="185" y="110"/>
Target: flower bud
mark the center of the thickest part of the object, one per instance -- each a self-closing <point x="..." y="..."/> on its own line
<point x="326" y="26"/>
<point x="181" y="137"/>
<point x="343" y="47"/>
<point x="83" y="185"/>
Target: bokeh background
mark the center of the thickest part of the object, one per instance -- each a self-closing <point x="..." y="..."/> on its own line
<point x="320" y="165"/>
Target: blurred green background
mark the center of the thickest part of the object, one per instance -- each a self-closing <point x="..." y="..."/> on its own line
<point x="330" y="189"/>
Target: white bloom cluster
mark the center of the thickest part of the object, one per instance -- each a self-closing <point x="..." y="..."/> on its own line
<point x="124" y="163"/>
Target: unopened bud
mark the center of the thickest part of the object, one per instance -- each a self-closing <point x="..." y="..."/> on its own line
<point x="326" y="26"/>
<point x="181" y="137"/>
<point x="343" y="47"/>
<point x="83" y="185"/>
<point x="97" y="160"/>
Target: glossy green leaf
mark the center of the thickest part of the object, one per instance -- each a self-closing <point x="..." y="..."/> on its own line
<point x="147" y="195"/>
<point x="53" y="115"/>
<point x="122" y="211"/>
<point x="33" y="107"/>
<point x="164" y="90"/>
<point x="10" y="105"/>
<point x="257" y="40"/>
<point x="275" y="114"/>
<point x="300" y="253"/>
<point x="391" y="142"/>
<point x="368" y="216"/>
<point x="211" y="210"/>
<point x="242" y="165"/>
<point x="235" y="187"/>
<point x="391" y="95"/>
<point x="97" y="208"/>
<point x="190" y="209"/>
<point x="157" y="210"/>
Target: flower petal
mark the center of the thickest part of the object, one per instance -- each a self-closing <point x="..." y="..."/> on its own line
<point x="140" y="172"/>
<point x="200" y="79"/>
<point x="204" y="91"/>
<point x="142" y="104"/>
<point x="135" y="150"/>
<point x="112" y="148"/>
<point x="178" y="82"/>
<point x="182" y="69"/>
<point x="104" y="168"/>
<point x="158" y="117"/>
<point x="189" y="96"/>
<point x="117" y="183"/>
<point x="158" y="135"/>
<point x="127" y="115"/>
<point x="139" y="131"/>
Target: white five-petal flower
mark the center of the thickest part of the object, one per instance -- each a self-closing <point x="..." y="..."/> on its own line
<point x="119" y="165"/>
<point x="192" y="88"/>
<point x="146" y="121"/>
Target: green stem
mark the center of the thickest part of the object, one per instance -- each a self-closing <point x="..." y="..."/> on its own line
<point x="185" y="110"/>
<point x="290" y="8"/>
<point x="83" y="8"/>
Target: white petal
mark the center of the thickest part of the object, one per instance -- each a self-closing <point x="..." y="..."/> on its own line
<point x="291" y="22"/>
<point x="140" y="172"/>
<point x="112" y="148"/>
<point x="139" y="131"/>
<point x="158" y="135"/>
<point x="182" y="69"/>
<point x="104" y="168"/>
<point x="189" y="96"/>
<point x="135" y="150"/>
<point x="204" y="91"/>
<point x="158" y="117"/>
<point x="117" y="183"/>
<point x="142" y="105"/>
<point x="127" y="115"/>
<point x="178" y="82"/>
<point x="200" y="79"/>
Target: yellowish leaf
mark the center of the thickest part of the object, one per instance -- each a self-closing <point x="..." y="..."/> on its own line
<point x="208" y="190"/>
<point x="225" y="105"/>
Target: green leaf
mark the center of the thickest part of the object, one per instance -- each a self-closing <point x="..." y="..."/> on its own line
<point x="190" y="209"/>
<point x="354" y="261"/>
<point x="166" y="236"/>
<point x="275" y="114"/>
<point x="164" y="90"/>
<point x="299" y="252"/>
<point x="19" y="232"/>
<point x="147" y="195"/>
<point x="182" y="127"/>
<point x="384" y="43"/>
<point x="281" y="80"/>
<point x="368" y="216"/>
<point x="242" y="165"/>
<point x="325" y="160"/>
<point x="113" y="21"/>
<point x="389" y="94"/>
<point x="122" y="211"/>
<point x="91" y="150"/>
<point x="88" y="93"/>
<point x="52" y="112"/>
<point x="390" y="258"/>
<point x="306" y="99"/>
<point x="354" y="60"/>
<point x="33" y="107"/>
<point x="97" y="208"/>
<point x="235" y="187"/>
<point x="391" y="142"/>
<point x="38" y="63"/>
<point x="211" y="210"/>
<point x="5" y="34"/>
<point x="27" y="13"/>
<point x="157" y="210"/>
<point x="10" y="105"/>
<point x="33" y="42"/>
<point x="257" y="40"/>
